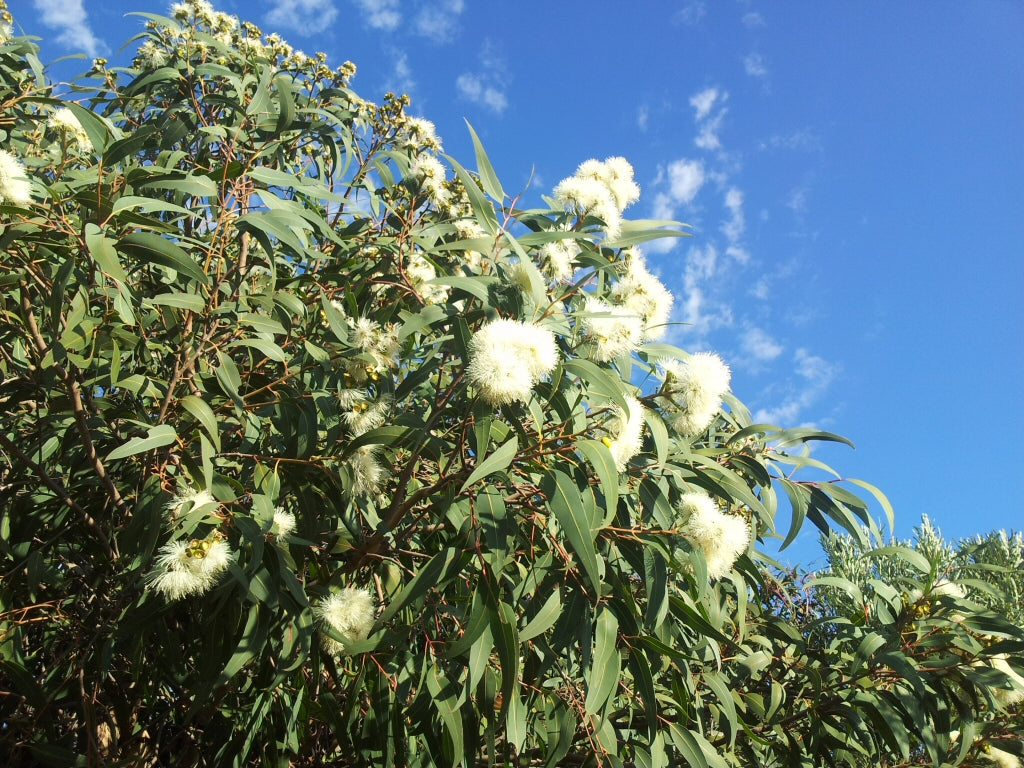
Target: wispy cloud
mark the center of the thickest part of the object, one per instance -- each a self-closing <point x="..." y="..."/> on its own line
<point x="752" y="19"/>
<point x="685" y="178"/>
<point x="486" y="87"/>
<point x="70" y="18"/>
<point x="439" y="20"/>
<point x="703" y="102"/>
<point x="708" y="119"/>
<point x="815" y="374"/>
<point x="691" y="13"/>
<point x="401" y="78"/>
<point x="759" y="346"/>
<point x="755" y="66"/>
<point x="304" y="17"/>
<point x="804" y="139"/>
<point x="642" y="115"/>
<point x="701" y="312"/>
<point x="474" y="88"/>
<point x="676" y="186"/>
<point x="378" y="14"/>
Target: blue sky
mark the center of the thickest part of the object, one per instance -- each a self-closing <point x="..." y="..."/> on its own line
<point x="854" y="175"/>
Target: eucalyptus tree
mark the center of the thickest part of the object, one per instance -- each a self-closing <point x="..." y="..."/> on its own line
<point x="321" y="448"/>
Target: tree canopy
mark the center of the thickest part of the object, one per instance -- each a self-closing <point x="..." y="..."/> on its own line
<point x="321" y="448"/>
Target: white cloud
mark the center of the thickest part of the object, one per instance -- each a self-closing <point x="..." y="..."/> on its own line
<point x="642" y="115"/>
<point x="805" y="139"/>
<point x="733" y="228"/>
<point x="439" y="20"/>
<point x="753" y="19"/>
<point x="761" y="289"/>
<point x="760" y="346"/>
<point x="797" y="200"/>
<point x="703" y="102"/>
<point x="817" y="374"/>
<point x="473" y="88"/>
<point x="691" y="13"/>
<point x="486" y="88"/>
<point x="708" y="136"/>
<point x="70" y="18"/>
<point x="685" y="178"/>
<point x="401" y="80"/>
<point x="304" y="17"/>
<point x="755" y="66"/>
<point x="379" y="14"/>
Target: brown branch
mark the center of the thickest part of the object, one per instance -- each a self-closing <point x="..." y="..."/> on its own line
<point x="59" y="489"/>
<point x="75" y="391"/>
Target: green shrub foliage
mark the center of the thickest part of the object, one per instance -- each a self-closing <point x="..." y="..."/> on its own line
<point x="318" y="448"/>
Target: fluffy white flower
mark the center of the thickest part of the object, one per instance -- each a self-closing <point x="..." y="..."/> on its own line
<point x="430" y="173"/>
<point x="15" y="188"/>
<point x="189" y="567"/>
<point x="948" y="588"/>
<point x="364" y="332"/>
<point x="588" y="196"/>
<point x="420" y="272"/>
<point x="696" y="388"/>
<point x="365" y="416"/>
<point x="626" y="431"/>
<point x="617" y="176"/>
<point x="367" y="473"/>
<point x="151" y="55"/>
<point x="614" y="330"/>
<point x="722" y="537"/>
<point x="1008" y="696"/>
<point x="558" y="258"/>
<point x="350" y="612"/>
<point x="1000" y="757"/>
<point x="284" y="523"/>
<point x="64" y="122"/>
<point x="641" y="292"/>
<point x="424" y="132"/>
<point x="508" y="358"/>
<point x="197" y="498"/>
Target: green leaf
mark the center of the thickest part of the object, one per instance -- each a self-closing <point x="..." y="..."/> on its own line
<point x="156" y="437"/>
<point x="545" y="618"/>
<point x="890" y="514"/>
<point x="606" y="667"/>
<point x="910" y="556"/>
<point x="151" y="248"/>
<point x="444" y="697"/>
<point x="441" y="567"/>
<point x="267" y="348"/>
<point x="601" y="460"/>
<point x="484" y="210"/>
<point x="103" y="252"/>
<point x="189" y="301"/>
<point x="565" y="503"/>
<point x="496" y="462"/>
<point x="204" y="415"/>
<point x="487" y="176"/>
<point x="598" y="380"/>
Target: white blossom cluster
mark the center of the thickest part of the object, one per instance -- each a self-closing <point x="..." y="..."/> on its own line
<point x="508" y="358"/>
<point x="722" y="537"/>
<point x="15" y="188"/>
<point x="625" y="432"/>
<point x="63" y="122"/>
<point x="600" y="189"/>
<point x="695" y="389"/>
<point x="193" y="567"/>
<point x="420" y="272"/>
<point x="349" y="612"/>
